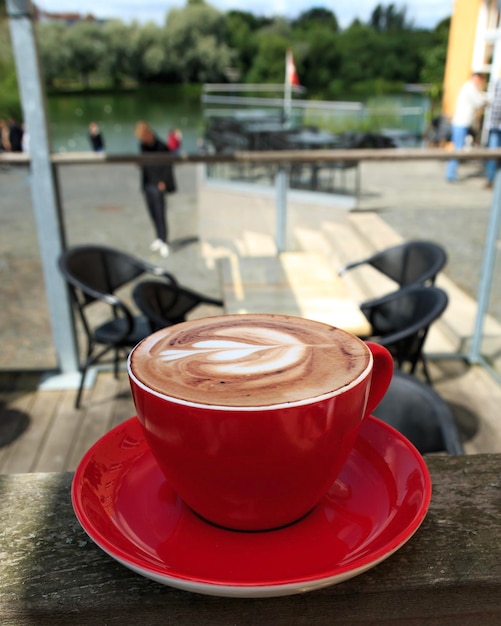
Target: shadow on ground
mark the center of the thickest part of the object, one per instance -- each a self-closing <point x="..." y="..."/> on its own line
<point x="13" y="424"/>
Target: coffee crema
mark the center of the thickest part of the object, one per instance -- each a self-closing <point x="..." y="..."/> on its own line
<point x="248" y="360"/>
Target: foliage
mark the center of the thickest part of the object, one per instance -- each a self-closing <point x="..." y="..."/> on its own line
<point x="196" y="40"/>
<point x="54" y="55"/>
<point x="10" y="104"/>
<point x="197" y="43"/>
<point x="433" y="60"/>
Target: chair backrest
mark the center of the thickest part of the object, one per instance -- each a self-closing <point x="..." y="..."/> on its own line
<point x="420" y="414"/>
<point x="164" y="304"/>
<point x="411" y="262"/>
<point x="100" y="269"/>
<point x="401" y="320"/>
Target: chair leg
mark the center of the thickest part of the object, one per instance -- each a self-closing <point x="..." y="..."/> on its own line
<point x="426" y="371"/>
<point x="116" y="362"/>
<point x="85" y="367"/>
<point x="80" y="388"/>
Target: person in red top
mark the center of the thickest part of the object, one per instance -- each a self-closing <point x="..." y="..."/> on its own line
<point x="174" y="140"/>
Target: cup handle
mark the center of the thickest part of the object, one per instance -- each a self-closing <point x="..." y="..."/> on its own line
<point x="382" y="372"/>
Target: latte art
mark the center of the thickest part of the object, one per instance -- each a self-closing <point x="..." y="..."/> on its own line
<point x="248" y="360"/>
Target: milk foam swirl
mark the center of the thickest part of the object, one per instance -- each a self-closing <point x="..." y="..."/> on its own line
<point x="248" y="360"/>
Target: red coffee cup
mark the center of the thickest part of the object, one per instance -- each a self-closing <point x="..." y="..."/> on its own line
<point x="204" y="390"/>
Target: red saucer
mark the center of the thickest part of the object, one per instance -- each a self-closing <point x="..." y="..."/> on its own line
<point x="126" y="506"/>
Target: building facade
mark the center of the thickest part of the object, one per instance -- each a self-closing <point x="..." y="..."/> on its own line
<point x="474" y="46"/>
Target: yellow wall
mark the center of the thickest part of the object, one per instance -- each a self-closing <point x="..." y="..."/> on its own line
<point x="458" y="66"/>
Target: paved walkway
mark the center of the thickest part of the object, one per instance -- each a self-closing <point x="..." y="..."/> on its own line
<point x="104" y="204"/>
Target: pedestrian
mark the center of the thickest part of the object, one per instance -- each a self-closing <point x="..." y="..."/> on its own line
<point x="494" y="138"/>
<point x="4" y="136"/>
<point x="156" y="181"/>
<point x="471" y="98"/>
<point x="15" y="135"/>
<point x="96" y="137"/>
<point x="174" y="140"/>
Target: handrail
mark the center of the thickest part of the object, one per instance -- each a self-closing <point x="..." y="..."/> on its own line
<point x="268" y="156"/>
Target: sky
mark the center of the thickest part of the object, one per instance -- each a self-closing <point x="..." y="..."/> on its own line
<point x="422" y="13"/>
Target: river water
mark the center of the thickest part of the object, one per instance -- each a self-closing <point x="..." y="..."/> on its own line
<point x="117" y="113"/>
<point x="166" y="107"/>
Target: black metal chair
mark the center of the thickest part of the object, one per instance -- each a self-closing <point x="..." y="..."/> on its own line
<point x="408" y="263"/>
<point x="415" y="409"/>
<point x="400" y="321"/>
<point x="166" y="304"/>
<point x="93" y="274"/>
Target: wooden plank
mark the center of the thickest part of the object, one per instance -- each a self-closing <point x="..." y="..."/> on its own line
<point x="25" y="450"/>
<point x="448" y="573"/>
<point x="54" y="449"/>
<point x="123" y="406"/>
<point x="96" y="416"/>
<point x="16" y="410"/>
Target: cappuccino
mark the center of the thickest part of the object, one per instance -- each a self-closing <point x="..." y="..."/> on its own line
<point x="253" y="360"/>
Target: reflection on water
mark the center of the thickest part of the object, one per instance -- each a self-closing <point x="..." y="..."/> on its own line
<point x="117" y="114"/>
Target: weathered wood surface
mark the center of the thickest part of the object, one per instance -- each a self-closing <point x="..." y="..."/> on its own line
<point x="448" y="573"/>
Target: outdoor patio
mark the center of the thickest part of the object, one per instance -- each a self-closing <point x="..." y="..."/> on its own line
<point x="41" y="431"/>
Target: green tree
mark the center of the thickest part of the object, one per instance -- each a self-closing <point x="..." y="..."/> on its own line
<point x="117" y="60"/>
<point x="86" y="48"/>
<point x="389" y="18"/>
<point x="433" y="62"/>
<point x="10" y="103"/>
<point x="241" y="28"/>
<point x="273" y="40"/>
<point x="312" y="18"/>
<point x="320" y="64"/>
<point x="54" y="54"/>
<point x="196" y="43"/>
<point x="148" y="55"/>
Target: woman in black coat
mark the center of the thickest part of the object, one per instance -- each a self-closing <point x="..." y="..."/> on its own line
<point x="156" y="180"/>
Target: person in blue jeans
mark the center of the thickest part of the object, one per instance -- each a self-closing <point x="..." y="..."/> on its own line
<point x="471" y="97"/>
<point x="494" y="139"/>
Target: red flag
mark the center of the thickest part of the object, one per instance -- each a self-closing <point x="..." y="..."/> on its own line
<point x="291" y="77"/>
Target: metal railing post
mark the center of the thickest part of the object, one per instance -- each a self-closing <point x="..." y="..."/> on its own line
<point x="487" y="272"/>
<point x="281" y="185"/>
<point x="44" y="192"/>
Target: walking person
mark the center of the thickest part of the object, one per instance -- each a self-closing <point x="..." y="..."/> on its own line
<point x="494" y="138"/>
<point x="96" y="137"/>
<point x="15" y="135"/>
<point x="471" y="98"/>
<point x="175" y="140"/>
<point x="155" y="182"/>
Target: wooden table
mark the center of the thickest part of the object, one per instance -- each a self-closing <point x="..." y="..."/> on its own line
<point x="292" y="283"/>
<point x="448" y="573"/>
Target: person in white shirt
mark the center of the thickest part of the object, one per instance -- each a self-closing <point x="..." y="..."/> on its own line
<point x="471" y="97"/>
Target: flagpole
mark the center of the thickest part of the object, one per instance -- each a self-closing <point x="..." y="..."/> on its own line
<point x="288" y="88"/>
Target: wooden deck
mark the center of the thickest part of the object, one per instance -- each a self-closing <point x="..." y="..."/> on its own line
<point x="41" y="431"/>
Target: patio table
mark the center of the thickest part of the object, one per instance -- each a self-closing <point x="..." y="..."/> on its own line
<point x="449" y="572"/>
<point x="292" y="283"/>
